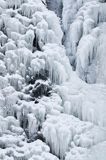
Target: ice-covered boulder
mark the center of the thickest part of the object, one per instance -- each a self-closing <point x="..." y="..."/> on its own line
<point x="96" y="152"/>
<point x="2" y="68"/>
<point x="60" y="131"/>
<point x="84" y="100"/>
<point x="14" y="25"/>
<point x="35" y="150"/>
<point x="3" y="82"/>
<point x="16" y="81"/>
<point x="56" y="63"/>
<point x="37" y="85"/>
<point x="15" y="3"/>
<point x="11" y="98"/>
<point x="28" y="9"/>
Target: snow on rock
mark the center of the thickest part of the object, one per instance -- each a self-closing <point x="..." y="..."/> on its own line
<point x="37" y="85"/>
<point x="15" y="3"/>
<point x="53" y="57"/>
<point x="16" y="80"/>
<point x="48" y="28"/>
<point x="26" y="18"/>
<point x="40" y="108"/>
<point x="3" y="82"/>
<point x="2" y="103"/>
<point x="3" y="39"/>
<point x="23" y="35"/>
<point x="37" y="65"/>
<point x="57" y="63"/>
<point x="11" y="98"/>
<point x="71" y="8"/>
<point x="94" y="153"/>
<point x="32" y="125"/>
<point x="3" y="4"/>
<point x="28" y="9"/>
<point x="88" y="65"/>
<point x="18" y="58"/>
<point x="1" y="56"/>
<point x="9" y="123"/>
<point x="24" y="150"/>
<point x="2" y="68"/>
<point x="10" y="45"/>
<point x="14" y="25"/>
<point x="29" y="38"/>
<point x="60" y="131"/>
<point x="84" y="101"/>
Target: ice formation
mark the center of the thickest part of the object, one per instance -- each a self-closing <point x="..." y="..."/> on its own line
<point x="86" y="25"/>
<point x="95" y="152"/>
<point x="63" y="130"/>
<point x="47" y="110"/>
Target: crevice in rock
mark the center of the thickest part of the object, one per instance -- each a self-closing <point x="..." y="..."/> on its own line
<point x="36" y="44"/>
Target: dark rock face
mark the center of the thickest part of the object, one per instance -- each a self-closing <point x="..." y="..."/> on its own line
<point x="43" y="75"/>
<point x="2" y="146"/>
<point x="24" y="121"/>
<point x="56" y="6"/>
<point x="36" y="44"/>
<point x="39" y="85"/>
<point x="37" y="136"/>
<point x="41" y="89"/>
<point x="40" y="137"/>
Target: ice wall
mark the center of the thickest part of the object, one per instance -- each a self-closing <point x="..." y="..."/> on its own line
<point x="41" y="97"/>
<point x="83" y="29"/>
<point x="63" y="131"/>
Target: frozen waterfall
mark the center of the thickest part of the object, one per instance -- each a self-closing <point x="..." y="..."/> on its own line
<point x="52" y="80"/>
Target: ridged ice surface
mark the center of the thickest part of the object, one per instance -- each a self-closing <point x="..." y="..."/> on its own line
<point x="52" y="80"/>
